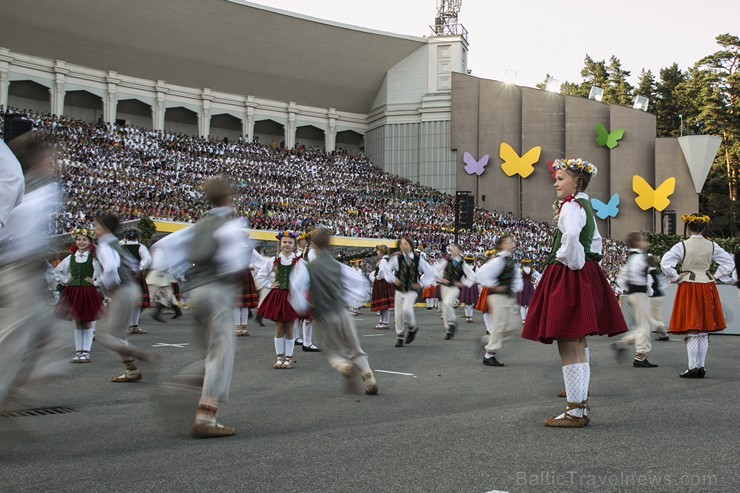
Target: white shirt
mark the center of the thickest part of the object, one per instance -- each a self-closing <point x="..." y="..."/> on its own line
<point x="636" y="268"/>
<point x="571" y="222"/>
<point x="469" y="276"/>
<point x="27" y="228"/>
<point x="266" y="274"/>
<point x="488" y="275"/>
<point x="725" y="262"/>
<point x="62" y="271"/>
<point x="355" y="287"/>
<point x="12" y="185"/>
<point x="425" y="270"/>
<point x="146" y="258"/>
<point x="110" y="261"/>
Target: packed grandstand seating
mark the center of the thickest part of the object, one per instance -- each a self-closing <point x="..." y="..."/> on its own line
<point x="139" y="172"/>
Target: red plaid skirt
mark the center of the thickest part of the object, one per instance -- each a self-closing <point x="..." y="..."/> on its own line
<point x="144" y="301"/>
<point x="569" y="304"/>
<point x="80" y="303"/>
<point x="697" y="307"/>
<point x="384" y="294"/>
<point x="276" y="307"/>
<point x="246" y="291"/>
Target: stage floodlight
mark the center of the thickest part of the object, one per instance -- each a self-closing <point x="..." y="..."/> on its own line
<point x="552" y="85"/>
<point x="596" y="94"/>
<point x="509" y="76"/>
<point x="641" y="103"/>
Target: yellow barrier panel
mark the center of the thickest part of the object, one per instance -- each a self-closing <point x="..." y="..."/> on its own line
<point x="265" y="235"/>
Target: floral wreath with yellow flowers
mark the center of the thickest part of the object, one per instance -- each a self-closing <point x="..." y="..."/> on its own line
<point x="289" y="234"/>
<point x="84" y="232"/>
<point x="578" y="165"/>
<point x="693" y="218"/>
<point x="490" y="253"/>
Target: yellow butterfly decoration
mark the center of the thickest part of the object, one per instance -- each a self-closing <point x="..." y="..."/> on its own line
<point x="513" y="164"/>
<point x="648" y="197"/>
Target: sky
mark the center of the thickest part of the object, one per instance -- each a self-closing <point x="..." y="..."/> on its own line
<point x="537" y="37"/>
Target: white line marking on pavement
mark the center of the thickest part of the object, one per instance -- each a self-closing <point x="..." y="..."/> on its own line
<point x="373" y="335"/>
<point x="396" y="373"/>
<point x="496" y="491"/>
<point x="162" y="344"/>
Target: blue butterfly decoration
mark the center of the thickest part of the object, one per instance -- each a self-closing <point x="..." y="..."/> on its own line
<point x="606" y="210"/>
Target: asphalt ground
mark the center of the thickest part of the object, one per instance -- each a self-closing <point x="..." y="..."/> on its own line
<point x="442" y="423"/>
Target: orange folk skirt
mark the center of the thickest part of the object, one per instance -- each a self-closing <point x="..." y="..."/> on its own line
<point x="697" y="308"/>
<point x="482" y="305"/>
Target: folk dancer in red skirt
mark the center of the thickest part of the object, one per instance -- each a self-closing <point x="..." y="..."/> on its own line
<point x="469" y="294"/>
<point x="408" y="271"/>
<point x="276" y="307"/>
<point x="530" y="278"/>
<point x="247" y="296"/>
<point x="80" y="300"/>
<point x="573" y="299"/>
<point x="697" y="309"/>
<point x="454" y="274"/>
<point x="307" y="253"/>
<point x="482" y="304"/>
<point x="383" y="290"/>
<point x="503" y="280"/>
<point x="141" y="254"/>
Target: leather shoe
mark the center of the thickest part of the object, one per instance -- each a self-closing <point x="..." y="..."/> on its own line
<point x="128" y="376"/>
<point x="399" y="342"/>
<point x="702" y="372"/>
<point x="210" y="430"/>
<point x="692" y="373"/>
<point x="311" y="349"/>
<point x="492" y="362"/>
<point x="411" y="335"/>
<point x="448" y="336"/>
<point x="663" y="338"/>
<point x="643" y="364"/>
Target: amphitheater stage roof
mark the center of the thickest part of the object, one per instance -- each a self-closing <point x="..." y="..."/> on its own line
<point x="230" y="46"/>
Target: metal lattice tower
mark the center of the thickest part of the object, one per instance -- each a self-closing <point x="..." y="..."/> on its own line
<point x="446" y="22"/>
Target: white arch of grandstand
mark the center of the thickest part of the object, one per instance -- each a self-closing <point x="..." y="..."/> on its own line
<point x="60" y="77"/>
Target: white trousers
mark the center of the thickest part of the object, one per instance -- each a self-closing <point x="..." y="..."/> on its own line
<point x="449" y="295"/>
<point x="640" y="334"/>
<point x="404" y="310"/>
<point x="506" y="320"/>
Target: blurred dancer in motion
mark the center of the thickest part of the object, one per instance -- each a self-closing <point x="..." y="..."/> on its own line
<point x="218" y="250"/>
<point x="330" y="285"/>
<point x="31" y="344"/>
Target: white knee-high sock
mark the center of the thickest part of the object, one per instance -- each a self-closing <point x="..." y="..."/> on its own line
<point x="307" y="333"/>
<point x="279" y="345"/>
<point x="588" y="355"/>
<point x="135" y="316"/>
<point x="692" y="349"/>
<point x="573" y="378"/>
<point x="87" y="336"/>
<point x="237" y="316"/>
<point x="586" y="381"/>
<point x="703" y="346"/>
<point x="245" y="316"/>
<point x="385" y="316"/>
<point x="523" y="311"/>
<point x="289" y="346"/>
<point x="92" y="325"/>
<point x="79" y="337"/>
<point x="487" y="322"/>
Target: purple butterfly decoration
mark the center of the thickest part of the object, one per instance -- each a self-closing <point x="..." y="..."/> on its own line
<point x="474" y="167"/>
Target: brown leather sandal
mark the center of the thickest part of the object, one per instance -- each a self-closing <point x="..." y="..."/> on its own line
<point x="569" y="421"/>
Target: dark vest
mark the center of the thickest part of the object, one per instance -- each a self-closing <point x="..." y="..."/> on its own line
<point x="454" y="271"/>
<point x="78" y="272"/>
<point x="133" y="250"/>
<point x="326" y="285"/>
<point x="655" y="283"/>
<point x="506" y="278"/>
<point x="636" y="288"/>
<point x="282" y="272"/>
<point x="203" y="248"/>
<point x="408" y="272"/>
<point x="585" y="238"/>
<point x="125" y="270"/>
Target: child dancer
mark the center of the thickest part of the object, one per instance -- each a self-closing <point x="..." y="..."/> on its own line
<point x="530" y="277"/>
<point x="697" y="309"/>
<point x="656" y="299"/>
<point x="453" y="274"/>
<point x="573" y="299"/>
<point x="482" y="305"/>
<point x="503" y="280"/>
<point x="141" y="254"/>
<point x="469" y="294"/>
<point x="247" y="297"/>
<point x="276" y="307"/>
<point x="329" y="284"/>
<point x="383" y="295"/>
<point x="80" y="300"/>
<point x="635" y="284"/>
<point x="408" y="272"/>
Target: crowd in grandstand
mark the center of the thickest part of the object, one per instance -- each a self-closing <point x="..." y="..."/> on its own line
<point x="139" y="172"/>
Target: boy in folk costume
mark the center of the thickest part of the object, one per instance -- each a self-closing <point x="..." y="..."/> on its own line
<point x="482" y="305"/>
<point x="573" y="299"/>
<point x="530" y="277"/>
<point x="247" y="296"/>
<point x="452" y="273"/>
<point x="141" y="254"/>
<point x="119" y="283"/>
<point x="697" y="309"/>
<point x="160" y="291"/>
<point x="656" y="299"/>
<point x="329" y="285"/>
<point x="383" y="295"/>
<point x="408" y="271"/>
<point x="275" y="273"/>
<point x="634" y="280"/>
<point x="503" y="280"/>
<point x="80" y="300"/>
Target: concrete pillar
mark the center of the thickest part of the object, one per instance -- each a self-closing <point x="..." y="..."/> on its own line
<point x="110" y="103"/>
<point x="159" y="109"/>
<point x="330" y="135"/>
<point x="290" y="128"/>
<point x="204" y="120"/>
<point x="57" y="95"/>
<point x="248" y="120"/>
<point x="4" y="85"/>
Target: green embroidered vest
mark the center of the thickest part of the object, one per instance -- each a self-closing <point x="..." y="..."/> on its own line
<point x="585" y="238"/>
<point x="78" y="272"/>
<point x="282" y="274"/>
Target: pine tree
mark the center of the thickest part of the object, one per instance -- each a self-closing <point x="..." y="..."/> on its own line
<point x="668" y="106"/>
<point x="618" y="90"/>
<point x="646" y="87"/>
